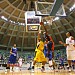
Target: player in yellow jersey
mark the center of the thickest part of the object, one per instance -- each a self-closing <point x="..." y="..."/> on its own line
<point x="39" y="57"/>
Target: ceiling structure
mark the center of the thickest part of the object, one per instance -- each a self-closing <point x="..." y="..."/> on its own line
<point x="12" y="28"/>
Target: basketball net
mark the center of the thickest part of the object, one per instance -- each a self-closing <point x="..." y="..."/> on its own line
<point x="49" y="20"/>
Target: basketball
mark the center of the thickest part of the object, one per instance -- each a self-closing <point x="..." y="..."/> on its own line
<point x="41" y="23"/>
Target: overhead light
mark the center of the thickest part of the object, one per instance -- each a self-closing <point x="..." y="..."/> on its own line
<point x="4" y="18"/>
<point x="14" y="22"/>
<point x="73" y="7"/>
<point x="23" y="23"/>
<point x="10" y="21"/>
<point x="56" y="18"/>
<point x="45" y="22"/>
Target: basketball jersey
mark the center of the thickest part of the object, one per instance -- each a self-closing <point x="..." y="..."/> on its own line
<point x="45" y="47"/>
<point x="71" y="43"/>
<point x="20" y="60"/>
<point x="50" y="40"/>
<point x="14" y="51"/>
<point x="40" y="46"/>
<point x="49" y="45"/>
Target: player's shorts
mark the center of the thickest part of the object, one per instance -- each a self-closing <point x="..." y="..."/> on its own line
<point x="12" y="59"/>
<point x="70" y="54"/>
<point x="45" y="53"/>
<point x="48" y="55"/>
<point x="20" y="64"/>
<point x="40" y="57"/>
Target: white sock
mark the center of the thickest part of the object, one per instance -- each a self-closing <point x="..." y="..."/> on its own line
<point x="50" y="63"/>
<point x="11" y="68"/>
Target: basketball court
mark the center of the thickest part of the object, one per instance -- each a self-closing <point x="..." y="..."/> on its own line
<point x="46" y="13"/>
<point x="24" y="70"/>
<point x="38" y="73"/>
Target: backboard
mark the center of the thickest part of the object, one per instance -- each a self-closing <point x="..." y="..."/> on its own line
<point x="32" y="21"/>
<point x="55" y="8"/>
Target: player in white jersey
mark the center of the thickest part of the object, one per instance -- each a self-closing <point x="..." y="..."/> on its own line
<point x="20" y="62"/>
<point x="70" y="48"/>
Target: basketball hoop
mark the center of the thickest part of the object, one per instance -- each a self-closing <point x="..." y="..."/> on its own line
<point x="55" y="8"/>
<point x="49" y="20"/>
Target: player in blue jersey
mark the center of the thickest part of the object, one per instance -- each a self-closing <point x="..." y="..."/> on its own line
<point x="13" y="57"/>
<point x="45" y="47"/>
<point x="48" y="51"/>
<point x="61" y="61"/>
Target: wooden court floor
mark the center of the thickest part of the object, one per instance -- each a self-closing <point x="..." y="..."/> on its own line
<point x="26" y="72"/>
